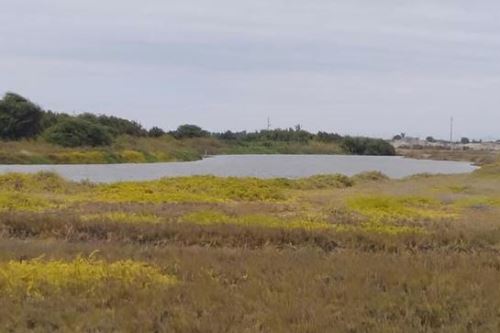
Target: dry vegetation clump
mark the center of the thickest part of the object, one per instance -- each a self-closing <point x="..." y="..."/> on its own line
<point x="209" y="254"/>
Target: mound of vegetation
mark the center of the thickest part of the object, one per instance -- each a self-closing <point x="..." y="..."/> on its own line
<point x="76" y="132"/>
<point x="21" y="119"/>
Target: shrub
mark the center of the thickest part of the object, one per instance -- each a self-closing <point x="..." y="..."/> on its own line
<point x="74" y="132"/>
<point x="189" y="131"/>
<point x="19" y="118"/>
<point x="156" y="132"/>
<point x="367" y="146"/>
<point x="115" y="125"/>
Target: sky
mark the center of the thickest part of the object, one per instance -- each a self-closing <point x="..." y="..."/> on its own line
<point x="373" y="68"/>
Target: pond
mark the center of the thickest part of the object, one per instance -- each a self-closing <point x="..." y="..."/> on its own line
<point x="262" y="166"/>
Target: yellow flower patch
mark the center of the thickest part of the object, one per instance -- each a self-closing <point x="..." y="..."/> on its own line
<point x="14" y="201"/>
<point x="477" y="201"/>
<point x="81" y="276"/>
<point x="190" y="189"/>
<point x="388" y="208"/>
<point x="132" y="156"/>
<point x="213" y="217"/>
<point x="387" y="214"/>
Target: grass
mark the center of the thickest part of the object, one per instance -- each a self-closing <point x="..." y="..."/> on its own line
<point x="123" y="217"/>
<point x="123" y="150"/>
<point x="259" y="220"/>
<point x="393" y="209"/>
<point x="209" y="254"/>
<point x="126" y="149"/>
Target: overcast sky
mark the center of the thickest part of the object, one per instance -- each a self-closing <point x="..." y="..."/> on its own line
<point x="353" y="67"/>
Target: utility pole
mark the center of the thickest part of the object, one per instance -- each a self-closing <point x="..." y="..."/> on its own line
<point x="268" y="123"/>
<point x="451" y="130"/>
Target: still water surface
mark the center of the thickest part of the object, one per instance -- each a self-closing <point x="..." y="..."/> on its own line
<point x="262" y="166"/>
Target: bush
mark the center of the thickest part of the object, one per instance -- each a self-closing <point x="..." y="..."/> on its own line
<point x="328" y="137"/>
<point x="50" y="118"/>
<point x="189" y="131"/>
<point x="19" y="118"/>
<point x="367" y="146"/>
<point x="74" y="132"/>
<point x="156" y="132"/>
<point x="115" y="125"/>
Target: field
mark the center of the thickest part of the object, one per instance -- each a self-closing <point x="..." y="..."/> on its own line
<point x="207" y="254"/>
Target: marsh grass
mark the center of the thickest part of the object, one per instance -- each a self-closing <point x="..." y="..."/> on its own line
<point x="329" y="253"/>
<point x="266" y="221"/>
<point x="300" y="290"/>
<point x="123" y="217"/>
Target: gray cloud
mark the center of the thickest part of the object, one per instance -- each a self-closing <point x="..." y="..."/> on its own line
<point x="357" y="67"/>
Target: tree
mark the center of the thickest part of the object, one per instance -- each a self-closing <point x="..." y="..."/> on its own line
<point x="430" y="139"/>
<point x="397" y="137"/>
<point x="19" y="118"/>
<point x="367" y="146"/>
<point x="465" y="141"/>
<point x="115" y="125"/>
<point x="50" y="118"/>
<point x="189" y="131"/>
<point x="156" y="132"/>
<point x="328" y="137"/>
<point x="75" y="132"/>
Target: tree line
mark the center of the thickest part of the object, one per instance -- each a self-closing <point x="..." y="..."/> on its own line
<point x="22" y="119"/>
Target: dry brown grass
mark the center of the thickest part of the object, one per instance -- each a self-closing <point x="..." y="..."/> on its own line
<point x="438" y="273"/>
<point x="270" y="290"/>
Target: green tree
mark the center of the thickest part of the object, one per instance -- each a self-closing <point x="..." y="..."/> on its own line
<point x="115" y="125"/>
<point x="75" y="132"/>
<point x="367" y="146"/>
<point x="19" y="118"/>
<point x="189" y="131"/>
<point x="156" y="132"/>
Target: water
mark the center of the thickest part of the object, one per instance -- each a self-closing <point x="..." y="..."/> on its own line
<point x="262" y="166"/>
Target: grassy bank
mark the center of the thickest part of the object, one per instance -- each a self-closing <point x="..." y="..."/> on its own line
<point x="127" y="149"/>
<point x="479" y="157"/>
<point x="208" y="254"/>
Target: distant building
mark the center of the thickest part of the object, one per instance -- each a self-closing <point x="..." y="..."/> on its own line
<point x="417" y="143"/>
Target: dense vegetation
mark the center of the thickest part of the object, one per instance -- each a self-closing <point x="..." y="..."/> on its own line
<point x="207" y="254"/>
<point x="21" y="119"/>
<point x="76" y="132"/>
